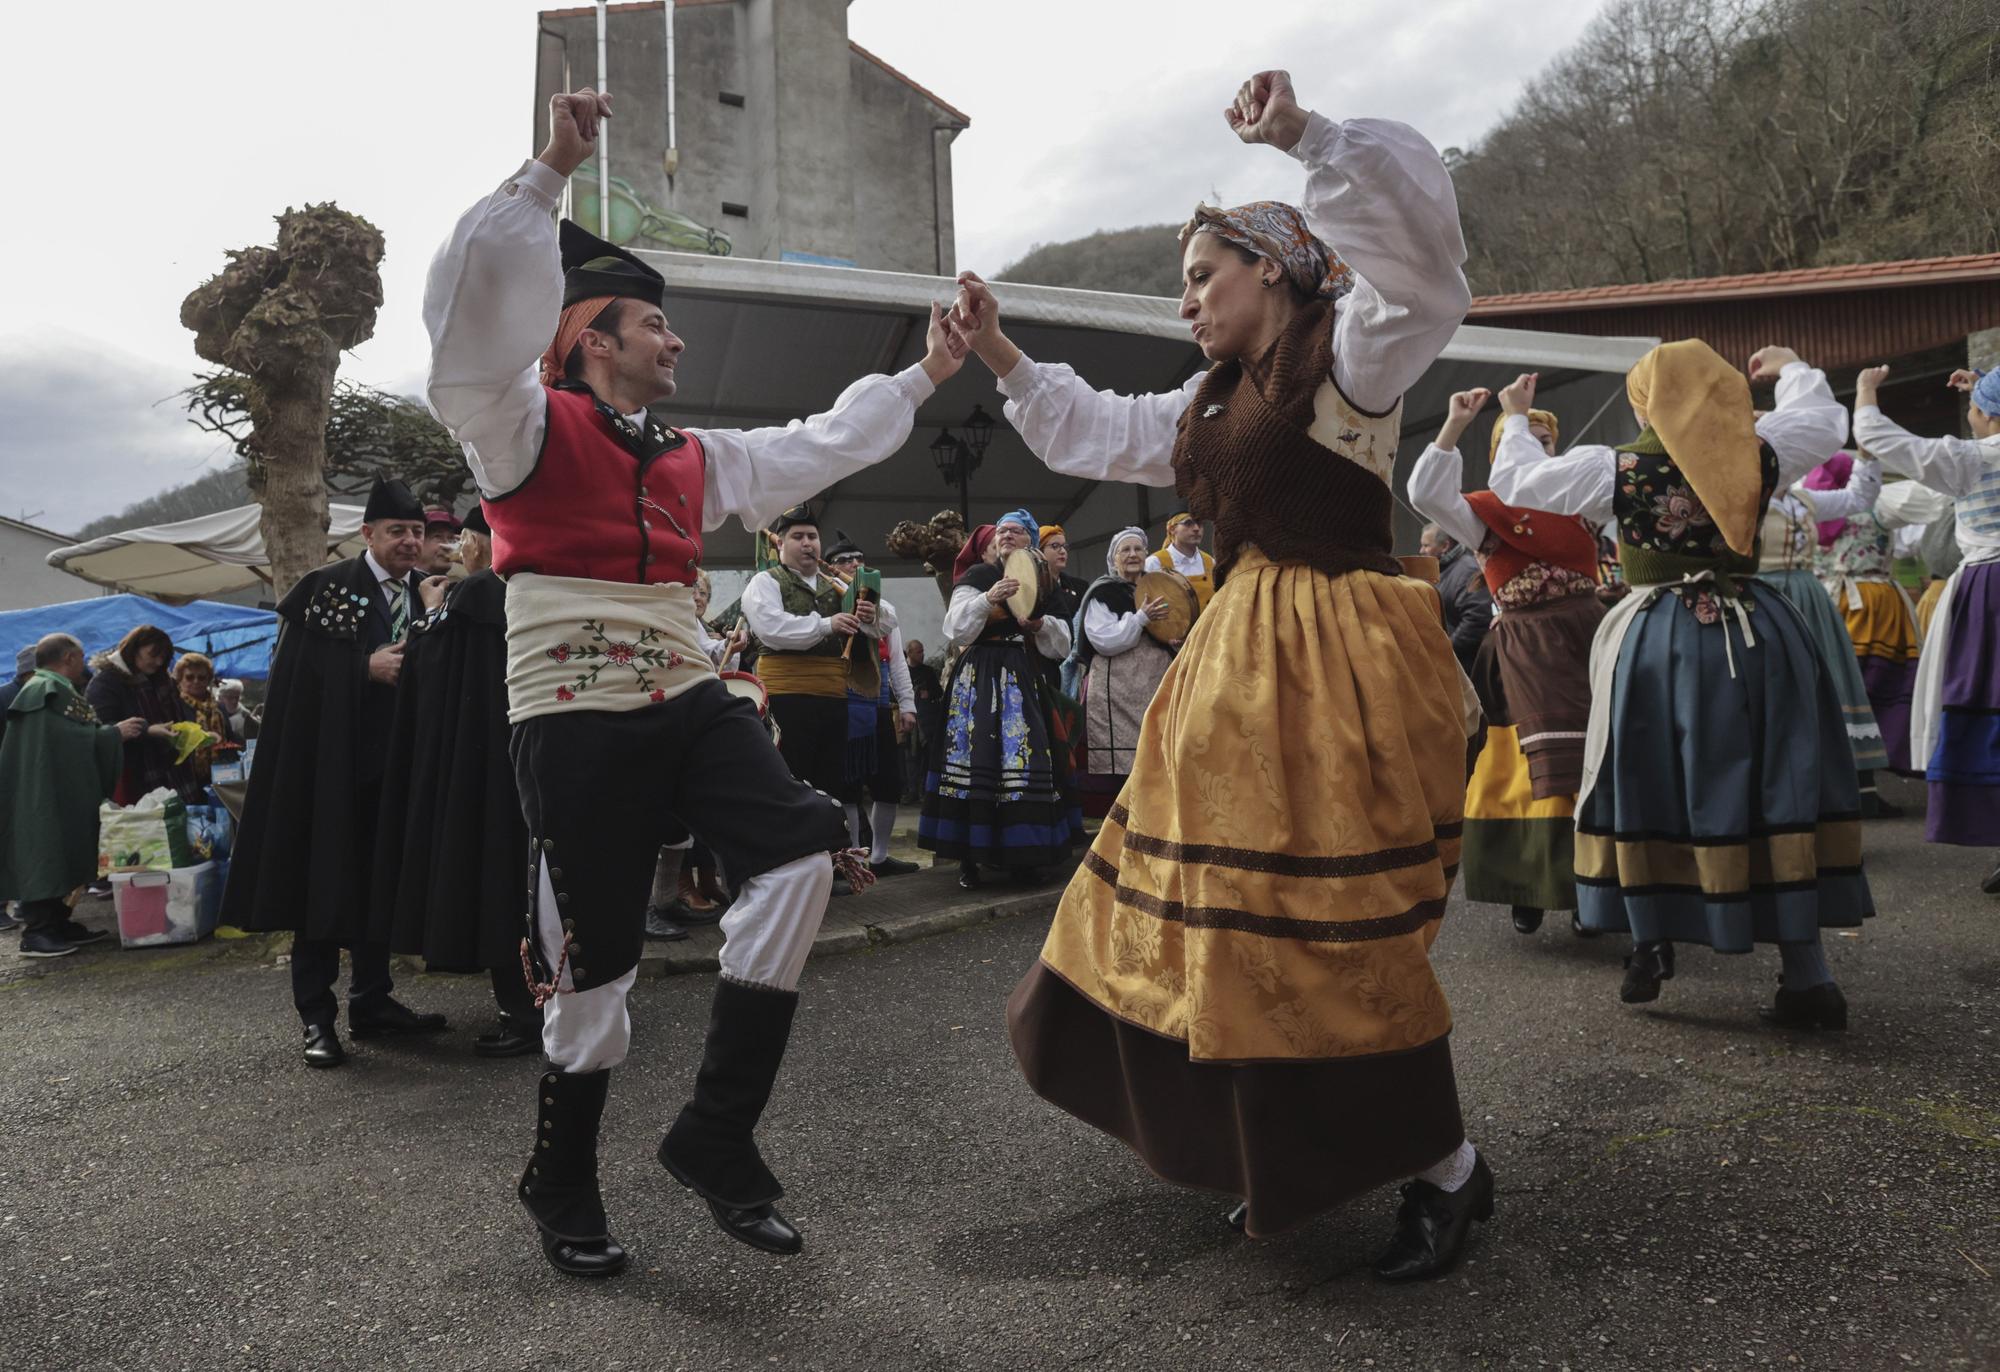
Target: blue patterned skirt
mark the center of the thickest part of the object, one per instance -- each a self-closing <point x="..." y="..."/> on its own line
<point x="1726" y="809"/>
<point x="996" y="792"/>
<point x="1829" y="634"/>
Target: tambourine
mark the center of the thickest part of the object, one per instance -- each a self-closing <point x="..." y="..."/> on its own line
<point x="1183" y="605"/>
<point x="1025" y="566"/>
<point x="751" y="688"/>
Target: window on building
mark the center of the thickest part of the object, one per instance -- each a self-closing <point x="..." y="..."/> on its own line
<point x="740" y="211"/>
<point x="730" y="98"/>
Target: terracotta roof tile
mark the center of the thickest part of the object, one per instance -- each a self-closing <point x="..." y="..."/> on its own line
<point x="924" y="91"/>
<point x="1858" y="276"/>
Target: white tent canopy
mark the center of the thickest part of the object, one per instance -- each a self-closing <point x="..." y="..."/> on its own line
<point x="769" y="342"/>
<point x="195" y="559"/>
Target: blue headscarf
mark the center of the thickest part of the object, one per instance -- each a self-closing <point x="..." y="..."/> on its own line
<point x="1986" y="392"/>
<point x="1026" y="521"/>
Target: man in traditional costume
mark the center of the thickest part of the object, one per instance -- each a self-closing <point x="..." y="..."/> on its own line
<point x="448" y="854"/>
<point x="598" y="511"/>
<point x="875" y="727"/>
<point x="1532" y="671"/>
<point x="1182" y="552"/>
<point x="441" y="531"/>
<point x="1238" y="982"/>
<point x="58" y="763"/>
<point x="808" y="646"/>
<point x="1719" y="801"/>
<point x="1955" y="715"/>
<point x="303" y="860"/>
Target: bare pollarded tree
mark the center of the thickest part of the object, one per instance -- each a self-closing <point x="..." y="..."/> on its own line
<point x="281" y="317"/>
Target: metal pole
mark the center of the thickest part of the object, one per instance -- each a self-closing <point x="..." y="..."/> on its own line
<point x="673" y="157"/>
<point x="603" y="142"/>
<point x="965" y="488"/>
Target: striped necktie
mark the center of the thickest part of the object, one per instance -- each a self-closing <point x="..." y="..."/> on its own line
<point x="399" y="609"/>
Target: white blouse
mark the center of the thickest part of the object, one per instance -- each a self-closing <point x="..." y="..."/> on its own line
<point x="1187" y="564"/>
<point x="491" y="304"/>
<point x="1109" y="632"/>
<point x="1378" y="194"/>
<point x="969" y="610"/>
<point x="1949" y="466"/>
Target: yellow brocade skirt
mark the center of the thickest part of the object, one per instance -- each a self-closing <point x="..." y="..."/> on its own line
<point x="1261" y="902"/>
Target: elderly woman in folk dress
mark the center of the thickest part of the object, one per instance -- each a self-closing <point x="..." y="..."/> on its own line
<point x="1120" y="665"/>
<point x="1238" y="982"/>
<point x="998" y="793"/>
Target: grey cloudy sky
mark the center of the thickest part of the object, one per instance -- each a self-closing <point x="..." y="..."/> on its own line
<point x="168" y="133"/>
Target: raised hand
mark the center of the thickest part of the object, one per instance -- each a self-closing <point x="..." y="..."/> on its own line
<point x="573" y="120"/>
<point x="944" y="347"/>
<point x="1464" y="405"/>
<point x="1962" y="380"/>
<point x="1266" y="111"/>
<point x="976" y="316"/>
<point x="1868" y="383"/>
<point x="1518" y="397"/>
<point x="1767" y="362"/>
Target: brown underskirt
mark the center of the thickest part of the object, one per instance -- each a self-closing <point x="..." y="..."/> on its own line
<point x="1543" y="654"/>
<point x="1292" y="1138"/>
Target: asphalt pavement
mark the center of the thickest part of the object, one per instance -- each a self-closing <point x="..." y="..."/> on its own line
<point x="1679" y="1186"/>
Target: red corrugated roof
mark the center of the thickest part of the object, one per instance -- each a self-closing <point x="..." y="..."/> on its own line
<point x="1859" y="276"/>
<point x="586" y="11"/>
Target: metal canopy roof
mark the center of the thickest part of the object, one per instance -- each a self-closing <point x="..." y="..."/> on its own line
<point x="193" y="559"/>
<point x="769" y="342"/>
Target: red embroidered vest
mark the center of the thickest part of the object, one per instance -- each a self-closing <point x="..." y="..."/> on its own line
<point x="1527" y="536"/>
<point x="594" y="508"/>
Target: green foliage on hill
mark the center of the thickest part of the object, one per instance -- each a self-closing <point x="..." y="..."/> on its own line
<point x="1141" y="261"/>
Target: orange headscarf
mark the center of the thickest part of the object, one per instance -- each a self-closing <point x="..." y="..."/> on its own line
<point x="569" y="328"/>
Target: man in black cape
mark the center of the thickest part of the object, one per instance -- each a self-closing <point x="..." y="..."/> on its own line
<point x="448" y="850"/>
<point x="303" y="855"/>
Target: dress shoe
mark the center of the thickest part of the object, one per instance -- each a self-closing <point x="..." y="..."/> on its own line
<point x="1646" y="966"/>
<point x="1432" y="1225"/>
<point x="80" y="934"/>
<point x="46" y="943"/>
<point x="1577" y="926"/>
<point x="690" y="895"/>
<point x="515" y="1037"/>
<point x="706" y="882"/>
<point x="1527" y="919"/>
<point x="323" y="1046"/>
<point x="1991" y="886"/>
<point x="7" y="920"/>
<point x="968" y="877"/>
<point x="663" y="926"/>
<point x="390" y="1017"/>
<point x="1816" y="1007"/>
<point x="1238" y="1217"/>
<point x="760" y="1226"/>
<point x="584" y="1257"/>
<point x="892" y="867"/>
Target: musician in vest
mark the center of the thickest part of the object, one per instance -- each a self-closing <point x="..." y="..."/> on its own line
<point x="1955" y="715"/>
<point x="1238" y="982"/>
<point x="876" y="724"/>
<point x="598" y="509"/>
<point x="1719" y="802"/>
<point x="795" y="614"/>
<point x="1532" y="672"/>
<point x="1182" y="553"/>
<point x="304" y="857"/>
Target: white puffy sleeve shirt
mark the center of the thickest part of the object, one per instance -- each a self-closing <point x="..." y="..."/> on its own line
<point x="1378" y="194"/>
<point x="967" y="614"/>
<point x="491" y="303"/>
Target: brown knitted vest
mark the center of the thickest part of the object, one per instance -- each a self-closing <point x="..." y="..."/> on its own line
<point x="1245" y="464"/>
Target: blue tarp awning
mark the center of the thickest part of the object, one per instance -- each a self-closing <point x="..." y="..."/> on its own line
<point x="237" y="637"/>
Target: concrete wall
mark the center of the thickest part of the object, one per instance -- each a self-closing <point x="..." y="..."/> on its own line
<point x="830" y="153"/>
<point x="27" y="580"/>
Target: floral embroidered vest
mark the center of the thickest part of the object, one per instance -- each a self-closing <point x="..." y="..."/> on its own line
<point x="1789" y="538"/>
<point x="1664" y="531"/>
<point x="1860" y="552"/>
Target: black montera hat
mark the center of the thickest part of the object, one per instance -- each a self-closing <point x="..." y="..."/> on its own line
<point x="798" y="514"/>
<point x="391" y="499"/>
<point x="843" y="547"/>
<point x="593" y="267"/>
<point x="475" y="520"/>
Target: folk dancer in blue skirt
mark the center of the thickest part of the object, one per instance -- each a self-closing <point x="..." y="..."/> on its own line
<point x="1719" y="802"/>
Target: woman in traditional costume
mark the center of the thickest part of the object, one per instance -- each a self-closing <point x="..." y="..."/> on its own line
<point x="1955" y="721"/>
<point x="1238" y="982"/>
<point x="1532" y="672"/>
<point x="1719" y="801"/>
<point x="997" y="794"/>
<point x="1854" y="563"/>
<point x="1787" y="550"/>
<point x="1120" y="664"/>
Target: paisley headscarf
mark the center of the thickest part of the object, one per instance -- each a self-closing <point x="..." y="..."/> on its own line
<point x="1542" y="417"/>
<point x="1700" y="407"/>
<point x="1111" y="553"/>
<point x="973" y="552"/>
<point x="1278" y="233"/>
<point x="1831" y="475"/>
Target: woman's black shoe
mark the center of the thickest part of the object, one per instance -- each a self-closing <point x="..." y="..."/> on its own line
<point x="1238" y="1217"/>
<point x="1816" y="1007"/>
<point x="968" y="877"/>
<point x="1646" y="966"/>
<point x="1576" y="926"/>
<point x="1432" y="1225"/>
<point x="1527" y="919"/>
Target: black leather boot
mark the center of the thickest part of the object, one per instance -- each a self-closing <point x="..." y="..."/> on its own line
<point x="1432" y="1225"/>
<point x="1646" y="967"/>
<point x="560" y="1186"/>
<point x="711" y="1149"/>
